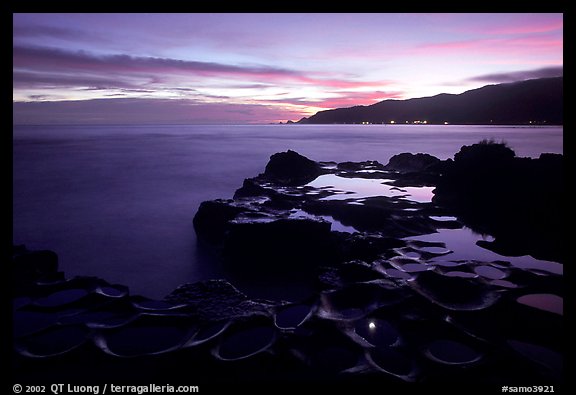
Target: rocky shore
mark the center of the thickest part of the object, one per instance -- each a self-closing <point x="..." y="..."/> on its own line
<point x="372" y="304"/>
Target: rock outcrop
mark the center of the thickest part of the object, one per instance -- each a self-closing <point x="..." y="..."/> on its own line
<point x="408" y="162"/>
<point x="291" y="168"/>
<point x="517" y="200"/>
<point x="383" y="309"/>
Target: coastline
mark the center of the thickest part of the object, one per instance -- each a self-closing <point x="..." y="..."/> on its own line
<point x="376" y="308"/>
<point x="98" y="197"/>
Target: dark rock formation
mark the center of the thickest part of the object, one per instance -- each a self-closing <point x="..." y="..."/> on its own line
<point x="214" y="300"/>
<point x="486" y="155"/>
<point x="407" y="162"/>
<point x="375" y="214"/>
<point x="517" y="200"/>
<point x="454" y="292"/>
<point x="291" y="168"/>
<point x="211" y="220"/>
<point x="41" y="265"/>
<point x="278" y="244"/>
<point x="274" y="223"/>
<point x="415" y="169"/>
<point x="383" y="310"/>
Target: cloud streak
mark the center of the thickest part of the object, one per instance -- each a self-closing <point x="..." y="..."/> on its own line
<point x="342" y="99"/>
<point x="527" y="28"/>
<point x="513" y="76"/>
<point x="61" y="33"/>
<point x="486" y="46"/>
<point x="42" y="59"/>
<point x="145" y="111"/>
<point x="24" y="79"/>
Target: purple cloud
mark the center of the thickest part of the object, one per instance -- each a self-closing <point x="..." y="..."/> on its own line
<point x="24" y="79"/>
<point x="42" y="58"/>
<point x="520" y="75"/>
<point x="62" y="33"/>
<point x="145" y="111"/>
<point x="52" y="60"/>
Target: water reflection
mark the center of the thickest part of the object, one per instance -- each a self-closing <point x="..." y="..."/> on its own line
<point x="463" y="244"/>
<point x="357" y="188"/>
<point x="546" y="302"/>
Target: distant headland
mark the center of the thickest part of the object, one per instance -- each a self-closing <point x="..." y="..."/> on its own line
<point x="531" y="102"/>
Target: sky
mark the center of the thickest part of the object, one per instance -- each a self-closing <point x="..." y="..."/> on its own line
<point x="262" y="68"/>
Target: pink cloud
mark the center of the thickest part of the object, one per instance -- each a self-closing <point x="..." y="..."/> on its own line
<point x="523" y="26"/>
<point x="355" y="100"/>
<point x="492" y="45"/>
<point x="344" y="99"/>
<point x="502" y="24"/>
<point x="344" y="84"/>
<point x="535" y="43"/>
<point x="50" y="60"/>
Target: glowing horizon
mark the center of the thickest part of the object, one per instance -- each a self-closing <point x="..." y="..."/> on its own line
<point x="262" y="68"/>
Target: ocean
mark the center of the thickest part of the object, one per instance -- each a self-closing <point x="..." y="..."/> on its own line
<point x="118" y="201"/>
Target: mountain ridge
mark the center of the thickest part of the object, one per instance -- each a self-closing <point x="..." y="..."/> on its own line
<point x="534" y="101"/>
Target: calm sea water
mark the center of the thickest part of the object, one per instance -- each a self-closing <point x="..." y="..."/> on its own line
<point x="118" y="201"/>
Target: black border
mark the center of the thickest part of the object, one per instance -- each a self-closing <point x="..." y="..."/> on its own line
<point x="168" y="6"/>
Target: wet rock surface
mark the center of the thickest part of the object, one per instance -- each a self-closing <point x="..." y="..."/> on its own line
<point x="380" y="308"/>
